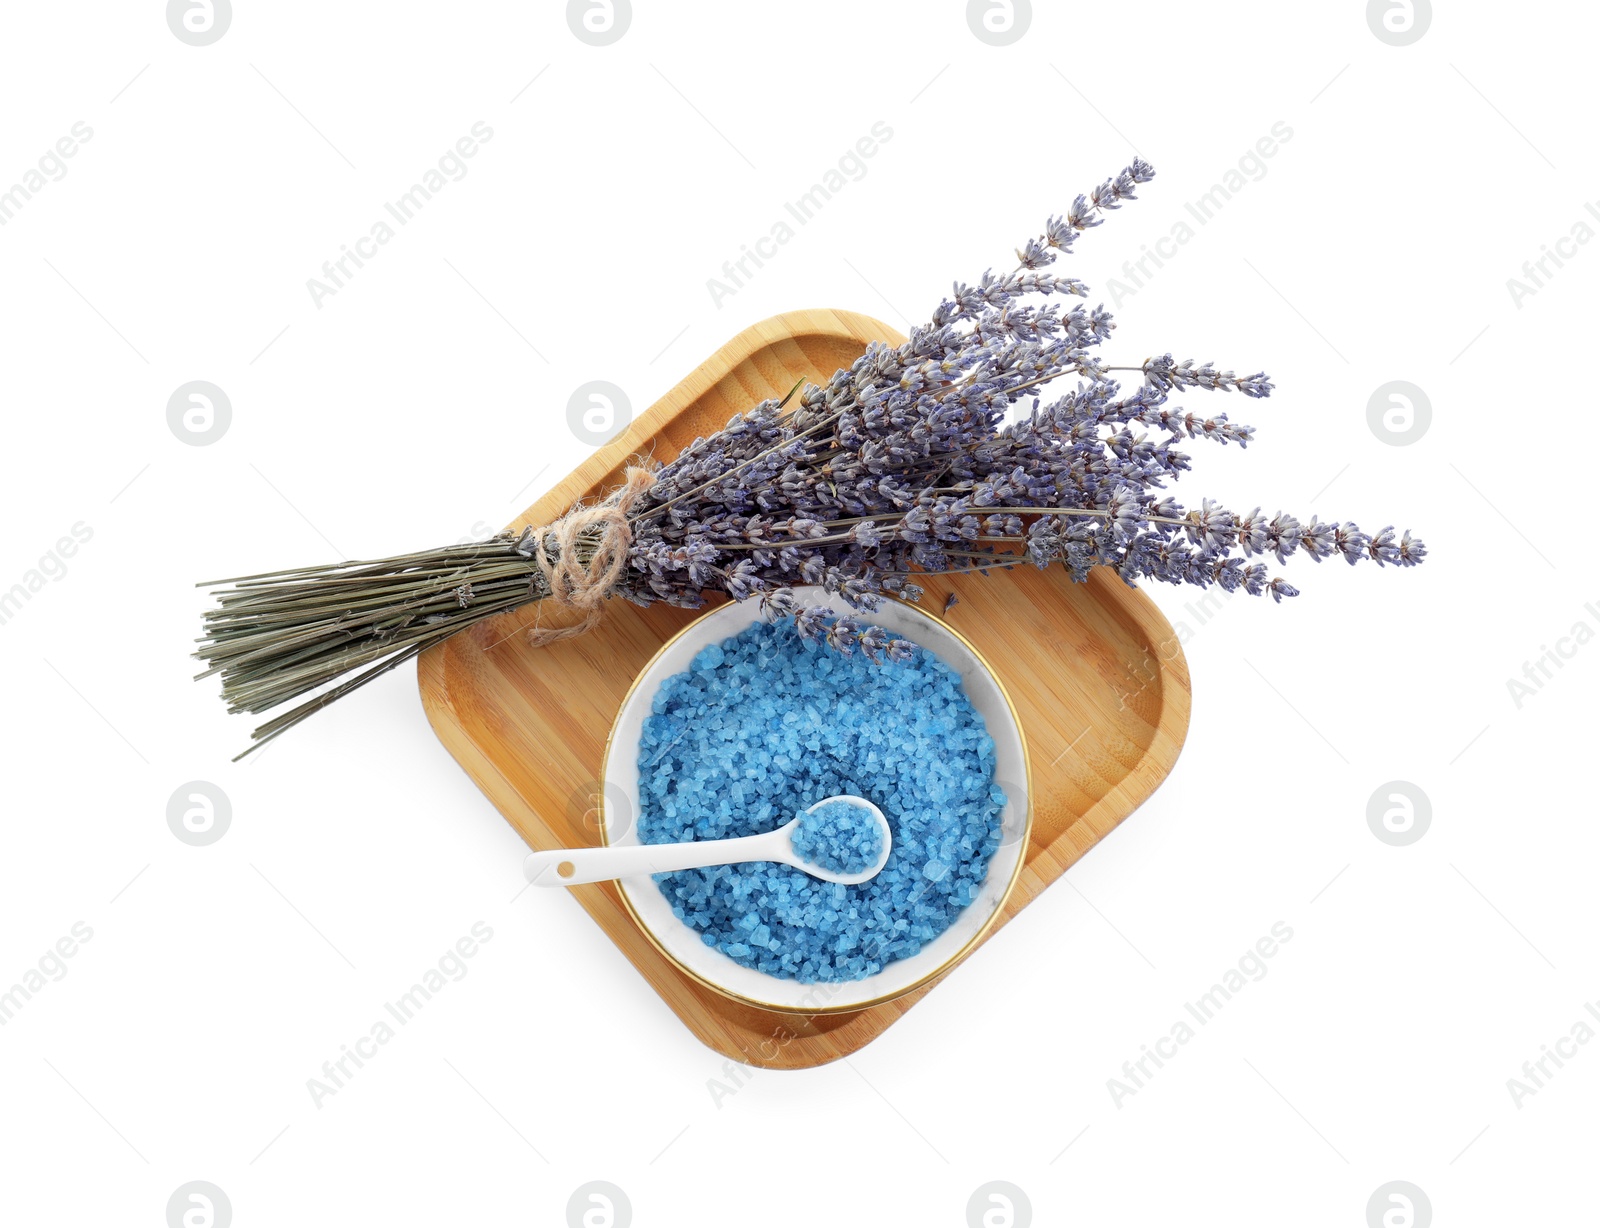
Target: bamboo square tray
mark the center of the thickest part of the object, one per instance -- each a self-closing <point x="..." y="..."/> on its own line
<point x="1094" y="670"/>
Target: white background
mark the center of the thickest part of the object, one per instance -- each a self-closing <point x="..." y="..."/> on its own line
<point x="426" y="402"/>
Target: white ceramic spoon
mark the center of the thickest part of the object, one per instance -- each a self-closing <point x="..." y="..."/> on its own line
<point x="569" y="867"/>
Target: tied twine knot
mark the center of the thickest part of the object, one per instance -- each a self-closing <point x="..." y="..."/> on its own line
<point x="579" y="583"/>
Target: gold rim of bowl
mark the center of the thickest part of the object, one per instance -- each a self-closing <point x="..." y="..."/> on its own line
<point x="921" y="982"/>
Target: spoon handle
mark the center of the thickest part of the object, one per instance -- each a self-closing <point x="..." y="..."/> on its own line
<point x="569" y="867"/>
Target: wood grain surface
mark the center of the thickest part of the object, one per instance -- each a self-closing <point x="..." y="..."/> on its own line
<point x="1094" y="669"/>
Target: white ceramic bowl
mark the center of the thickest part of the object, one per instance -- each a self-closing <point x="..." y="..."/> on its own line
<point x="683" y="945"/>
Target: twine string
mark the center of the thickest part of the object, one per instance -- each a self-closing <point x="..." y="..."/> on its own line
<point x="583" y="584"/>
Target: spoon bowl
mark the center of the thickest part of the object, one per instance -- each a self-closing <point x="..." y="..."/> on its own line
<point x="833" y="876"/>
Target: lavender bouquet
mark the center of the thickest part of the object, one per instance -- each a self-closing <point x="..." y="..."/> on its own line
<point x="903" y="465"/>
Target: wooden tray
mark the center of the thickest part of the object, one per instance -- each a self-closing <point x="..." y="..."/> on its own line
<point x="1094" y="670"/>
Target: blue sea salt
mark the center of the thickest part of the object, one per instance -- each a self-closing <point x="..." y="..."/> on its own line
<point x="763" y="726"/>
<point x="842" y="837"/>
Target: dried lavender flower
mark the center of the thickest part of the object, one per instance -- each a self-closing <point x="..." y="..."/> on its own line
<point x="941" y="455"/>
